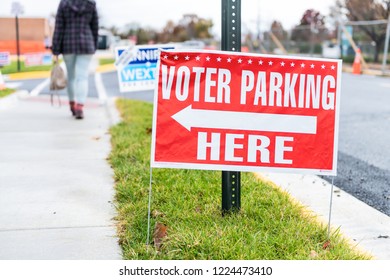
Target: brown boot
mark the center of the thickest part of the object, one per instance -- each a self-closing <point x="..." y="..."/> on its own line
<point x="79" y="114"/>
<point x="72" y="105"/>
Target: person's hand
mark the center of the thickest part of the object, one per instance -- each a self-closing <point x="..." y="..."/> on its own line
<point x="55" y="58"/>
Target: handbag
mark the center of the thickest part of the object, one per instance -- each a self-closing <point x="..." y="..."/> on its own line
<point x="58" y="80"/>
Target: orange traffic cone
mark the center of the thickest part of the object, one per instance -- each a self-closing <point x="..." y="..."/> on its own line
<point x="2" y="83"/>
<point x="356" y="67"/>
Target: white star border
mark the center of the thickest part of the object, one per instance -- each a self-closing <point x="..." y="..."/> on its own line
<point x="290" y="63"/>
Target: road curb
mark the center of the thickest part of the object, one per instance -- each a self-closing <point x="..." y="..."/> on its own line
<point x="112" y="111"/>
<point x="28" y="75"/>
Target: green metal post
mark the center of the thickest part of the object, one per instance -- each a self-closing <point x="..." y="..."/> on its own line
<point x="231" y="41"/>
<point x="231" y="191"/>
<point x="231" y="25"/>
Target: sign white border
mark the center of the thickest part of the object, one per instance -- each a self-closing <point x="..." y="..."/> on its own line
<point x="232" y="167"/>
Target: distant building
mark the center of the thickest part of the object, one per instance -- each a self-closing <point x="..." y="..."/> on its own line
<point x="34" y="34"/>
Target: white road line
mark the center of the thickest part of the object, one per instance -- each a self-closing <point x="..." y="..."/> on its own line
<point x="13" y="85"/>
<point x="37" y="90"/>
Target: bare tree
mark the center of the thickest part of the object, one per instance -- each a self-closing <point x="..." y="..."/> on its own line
<point x="278" y="30"/>
<point x="190" y="26"/>
<point x="312" y="22"/>
<point x="368" y="10"/>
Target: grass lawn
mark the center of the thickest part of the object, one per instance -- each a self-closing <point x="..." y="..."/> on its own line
<point x="270" y="225"/>
<point x="13" y="67"/>
<point x="5" y="92"/>
<point x="104" y="61"/>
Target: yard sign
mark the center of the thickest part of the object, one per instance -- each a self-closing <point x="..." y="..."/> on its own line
<point x="37" y="59"/>
<point x="139" y="73"/>
<point x="245" y="112"/>
<point x="5" y="58"/>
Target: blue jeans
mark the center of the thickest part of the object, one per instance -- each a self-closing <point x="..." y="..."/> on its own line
<point x="77" y="67"/>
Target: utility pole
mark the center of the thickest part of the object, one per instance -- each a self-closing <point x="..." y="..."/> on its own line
<point x="17" y="9"/>
<point x="17" y="40"/>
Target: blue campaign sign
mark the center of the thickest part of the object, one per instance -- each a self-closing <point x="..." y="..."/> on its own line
<point x="143" y="55"/>
<point x="140" y="72"/>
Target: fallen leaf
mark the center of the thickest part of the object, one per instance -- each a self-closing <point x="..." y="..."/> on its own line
<point x="326" y="245"/>
<point x="160" y="232"/>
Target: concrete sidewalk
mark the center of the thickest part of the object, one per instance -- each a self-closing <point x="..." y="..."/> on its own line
<point x="56" y="186"/>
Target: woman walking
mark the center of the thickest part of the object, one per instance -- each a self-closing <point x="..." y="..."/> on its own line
<point x="75" y="37"/>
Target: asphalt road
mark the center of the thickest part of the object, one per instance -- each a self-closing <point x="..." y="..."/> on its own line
<point x="364" y="135"/>
<point x="364" y="140"/>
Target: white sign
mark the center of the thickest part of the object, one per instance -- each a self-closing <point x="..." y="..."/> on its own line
<point x="17" y="9"/>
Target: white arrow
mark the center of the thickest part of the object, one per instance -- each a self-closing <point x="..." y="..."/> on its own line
<point x="189" y="118"/>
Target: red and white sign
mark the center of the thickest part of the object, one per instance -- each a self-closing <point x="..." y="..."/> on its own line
<point x="246" y="112"/>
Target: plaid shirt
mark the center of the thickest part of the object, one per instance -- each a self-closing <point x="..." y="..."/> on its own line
<point x="76" y="28"/>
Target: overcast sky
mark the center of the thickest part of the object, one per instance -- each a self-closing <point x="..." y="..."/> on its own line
<point x="155" y="13"/>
